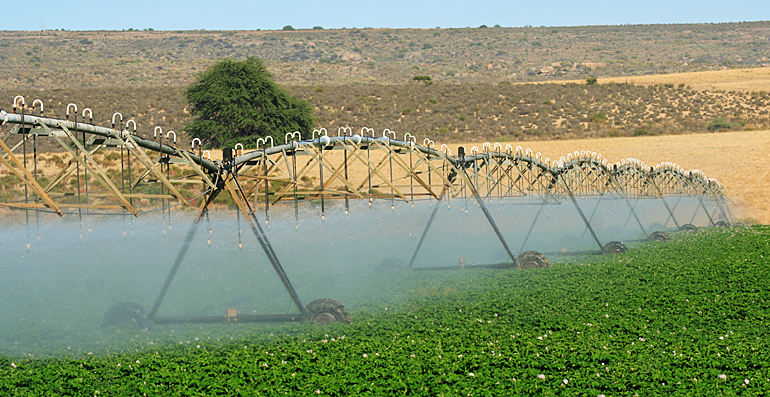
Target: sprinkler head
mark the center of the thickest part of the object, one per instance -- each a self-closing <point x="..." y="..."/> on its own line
<point x="209" y="242"/>
<point x="28" y="245"/>
<point x="240" y="246"/>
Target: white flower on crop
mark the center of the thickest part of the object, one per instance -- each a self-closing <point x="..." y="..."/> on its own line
<point x="118" y="364"/>
<point x="565" y="381"/>
<point x="471" y="374"/>
<point x="721" y="338"/>
<point x="365" y="356"/>
<point x="539" y="338"/>
<point x="723" y="376"/>
<point x="459" y="356"/>
<point x="13" y="365"/>
<point x="137" y="361"/>
<point x="541" y="377"/>
<point x="746" y="381"/>
<point x="317" y="392"/>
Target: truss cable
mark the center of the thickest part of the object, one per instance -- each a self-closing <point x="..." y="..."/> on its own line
<point x="24" y="149"/>
<point x="531" y="227"/>
<point x="296" y="181"/>
<point x="267" y="189"/>
<point x="182" y="252"/>
<point x="264" y="241"/>
<point x="321" y="172"/>
<point x="424" y="233"/>
<point x="34" y="157"/>
<point x="238" y="218"/>
<point x="369" y="170"/>
<point x="390" y="159"/>
<point x="77" y="166"/>
<point x="411" y="178"/>
<point x="345" y="149"/>
<point x="85" y="169"/>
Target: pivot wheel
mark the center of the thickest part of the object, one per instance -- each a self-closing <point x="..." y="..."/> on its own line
<point x="688" y="227"/>
<point x="326" y="311"/>
<point x="722" y="224"/>
<point x="391" y="264"/>
<point x="532" y="260"/>
<point x="615" y="247"/>
<point x="659" y="236"/>
<point x="128" y="314"/>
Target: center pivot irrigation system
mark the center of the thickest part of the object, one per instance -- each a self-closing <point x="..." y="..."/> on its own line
<point x="348" y="166"/>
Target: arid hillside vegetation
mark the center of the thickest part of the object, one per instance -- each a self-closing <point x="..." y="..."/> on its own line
<point x="65" y="59"/>
<point x="453" y="113"/>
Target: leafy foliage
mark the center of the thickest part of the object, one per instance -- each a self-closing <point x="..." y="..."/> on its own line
<point x="721" y="124"/>
<point x="687" y="317"/>
<point x="238" y="102"/>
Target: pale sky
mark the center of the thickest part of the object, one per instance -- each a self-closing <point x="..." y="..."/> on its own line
<point x="304" y="14"/>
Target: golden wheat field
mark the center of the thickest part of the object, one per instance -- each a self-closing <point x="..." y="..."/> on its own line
<point x="736" y="159"/>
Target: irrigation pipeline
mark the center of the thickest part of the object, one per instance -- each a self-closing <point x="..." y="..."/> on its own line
<point x="122" y="135"/>
<point x="584" y="172"/>
<point x="369" y="167"/>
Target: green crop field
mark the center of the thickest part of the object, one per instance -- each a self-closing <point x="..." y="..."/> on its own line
<point x="686" y="317"/>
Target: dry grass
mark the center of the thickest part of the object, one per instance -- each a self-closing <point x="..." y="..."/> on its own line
<point x="736" y="159"/>
<point x="743" y="80"/>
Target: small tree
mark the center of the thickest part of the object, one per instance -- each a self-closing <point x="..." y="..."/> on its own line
<point x="238" y="102"/>
<point x="288" y="27"/>
<point x="591" y="81"/>
<point x="425" y="79"/>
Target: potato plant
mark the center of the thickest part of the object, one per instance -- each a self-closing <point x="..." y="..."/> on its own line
<point x="686" y="317"/>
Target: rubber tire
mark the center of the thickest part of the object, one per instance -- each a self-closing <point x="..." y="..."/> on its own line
<point x="326" y="311"/>
<point x="659" y="236"/>
<point x="688" y="227"/>
<point x="615" y="247"/>
<point x="722" y="224"/>
<point x="128" y="314"/>
<point x="391" y="264"/>
<point x="532" y="260"/>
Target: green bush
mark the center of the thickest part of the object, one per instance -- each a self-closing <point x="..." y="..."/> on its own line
<point x="598" y="118"/>
<point x="721" y="124"/>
